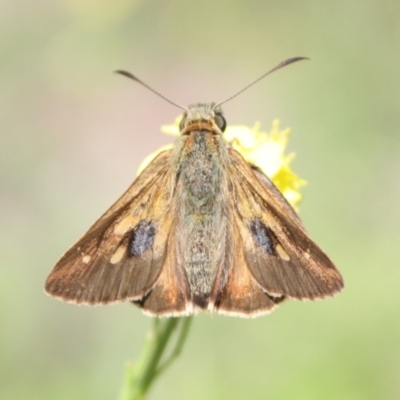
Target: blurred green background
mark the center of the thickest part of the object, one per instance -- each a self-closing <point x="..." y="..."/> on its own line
<point x="73" y="134"/>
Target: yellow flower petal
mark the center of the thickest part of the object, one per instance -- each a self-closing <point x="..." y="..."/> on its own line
<point x="267" y="151"/>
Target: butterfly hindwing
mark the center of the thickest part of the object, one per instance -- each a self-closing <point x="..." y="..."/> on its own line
<point x="241" y="295"/>
<point x="122" y="254"/>
<point x="170" y="295"/>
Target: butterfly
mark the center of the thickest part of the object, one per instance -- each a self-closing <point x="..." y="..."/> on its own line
<point x="199" y="229"/>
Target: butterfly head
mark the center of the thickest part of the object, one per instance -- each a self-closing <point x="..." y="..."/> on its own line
<point x="203" y="117"/>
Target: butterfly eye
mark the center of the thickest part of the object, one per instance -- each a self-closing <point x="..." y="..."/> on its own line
<point x="220" y="122"/>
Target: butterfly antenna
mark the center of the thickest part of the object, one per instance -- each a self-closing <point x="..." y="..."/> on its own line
<point x="133" y="77"/>
<point x="280" y="65"/>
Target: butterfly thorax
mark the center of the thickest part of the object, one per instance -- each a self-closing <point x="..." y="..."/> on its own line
<point x="202" y="224"/>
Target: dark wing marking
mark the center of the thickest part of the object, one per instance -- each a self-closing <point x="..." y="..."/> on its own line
<point x="109" y="263"/>
<point x="289" y="263"/>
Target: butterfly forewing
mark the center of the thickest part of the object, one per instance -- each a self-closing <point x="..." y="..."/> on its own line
<point x="122" y="254"/>
<point x="278" y="253"/>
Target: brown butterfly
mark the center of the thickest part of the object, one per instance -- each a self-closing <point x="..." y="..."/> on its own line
<point x="199" y="229"/>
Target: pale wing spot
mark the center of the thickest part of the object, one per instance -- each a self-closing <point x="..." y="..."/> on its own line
<point x="307" y="254"/>
<point x="272" y="222"/>
<point x="86" y="259"/>
<point x="269" y="219"/>
<point x="123" y="226"/>
<point x="117" y="256"/>
<point x="282" y="253"/>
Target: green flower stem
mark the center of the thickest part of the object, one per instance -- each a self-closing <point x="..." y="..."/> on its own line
<point x="139" y="378"/>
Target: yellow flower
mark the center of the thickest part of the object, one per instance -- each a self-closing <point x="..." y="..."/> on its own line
<point x="266" y="150"/>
